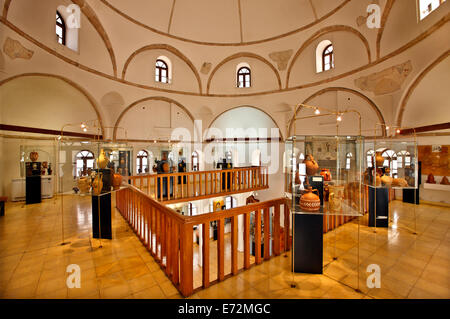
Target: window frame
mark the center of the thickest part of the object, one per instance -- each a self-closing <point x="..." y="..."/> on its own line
<point x="246" y="77"/>
<point x="140" y="164"/>
<point x="160" y="69"/>
<point x="195" y="161"/>
<point x="62" y="25"/>
<point x="328" y="54"/>
<point x="84" y="159"/>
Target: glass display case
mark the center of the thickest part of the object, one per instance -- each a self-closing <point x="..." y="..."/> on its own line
<point x="390" y="163"/>
<point x="324" y="174"/>
<point x="92" y="167"/>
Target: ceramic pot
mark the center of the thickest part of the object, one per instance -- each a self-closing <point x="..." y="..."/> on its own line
<point x="399" y="182"/>
<point x="379" y="159"/>
<point x="335" y="198"/>
<point x="430" y="179"/>
<point x="311" y="165"/>
<point x="297" y="178"/>
<point x="34" y="156"/>
<point x="326" y="192"/>
<point x="117" y="181"/>
<point x="97" y="184"/>
<point x="378" y="180"/>
<point x="325" y="172"/>
<point x="309" y="201"/>
<point x="44" y="165"/>
<point x="166" y="167"/>
<point x="445" y="181"/>
<point x="102" y="160"/>
<point x="83" y="185"/>
<point x="386" y="180"/>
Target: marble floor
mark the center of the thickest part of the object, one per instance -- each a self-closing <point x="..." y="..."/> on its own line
<point x="33" y="263"/>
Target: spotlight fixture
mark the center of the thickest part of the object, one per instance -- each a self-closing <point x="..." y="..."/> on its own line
<point x="154" y="141"/>
<point x="339" y="118"/>
<point x="84" y="129"/>
<point x="398" y="131"/>
<point x="317" y="111"/>
<point x="83" y="125"/>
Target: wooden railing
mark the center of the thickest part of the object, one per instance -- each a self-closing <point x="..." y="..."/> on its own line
<point x="169" y="236"/>
<point x="179" y="187"/>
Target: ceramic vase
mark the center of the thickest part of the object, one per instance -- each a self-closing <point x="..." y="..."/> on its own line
<point x="311" y="165"/>
<point x="325" y="172"/>
<point x="430" y="179"/>
<point x="97" y="184"/>
<point x="102" y="160"/>
<point x="34" y="156"/>
<point x="379" y="159"/>
<point x="117" y="181"/>
<point x="83" y="185"/>
<point x="335" y="198"/>
<point x="386" y="180"/>
<point x="309" y="201"/>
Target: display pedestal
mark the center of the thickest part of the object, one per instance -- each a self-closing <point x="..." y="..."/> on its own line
<point x="226" y="178"/>
<point x="408" y="196"/>
<point x="254" y="250"/>
<point x="307" y="254"/>
<point x="102" y="202"/>
<point x="382" y="207"/>
<point x="33" y="189"/>
<point x="164" y="187"/>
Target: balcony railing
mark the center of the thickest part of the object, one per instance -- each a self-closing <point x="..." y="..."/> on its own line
<point x="168" y="236"/>
<point x="180" y="187"/>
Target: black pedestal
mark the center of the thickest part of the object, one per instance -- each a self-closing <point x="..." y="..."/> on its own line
<point x="254" y="250"/>
<point x="408" y="196"/>
<point x="103" y="203"/>
<point x="33" y="189"/>
<point x="382" y="209"/>
<point x="2" y="208"/>
<point x="307" y="256"/>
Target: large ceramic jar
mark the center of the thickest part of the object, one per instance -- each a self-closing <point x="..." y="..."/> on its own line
<point x="117" y="181"/>
<point x="83" y="185"/>
<point x="34" y="156"/>
<point x="311" y="165"/>
<point x="325" y="172"/>
<point x="103" y="160"/>
<point x="336" y="197"/>
<point x="386" y="180"/>
<point x="310" y="202"/>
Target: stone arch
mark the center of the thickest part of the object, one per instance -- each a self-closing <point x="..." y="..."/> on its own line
<point x="169" y="48"/>
<point x="71" y="83"/>
<point x="321" y="32"/>
<point x="152" y="98"/>
<point x="344" y="89"/>
<point x="242" y="55"/>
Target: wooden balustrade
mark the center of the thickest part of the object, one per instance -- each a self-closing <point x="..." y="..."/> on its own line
<point x="181" y="187"/>
<point x="168" y="236"/>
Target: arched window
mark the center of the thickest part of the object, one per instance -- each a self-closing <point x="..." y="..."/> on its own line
<point x="328" y="58"/>
<point x="243" y="77"/>
<point x="369" y="156"/>
<point x="428" y="6"/>
<point x="403" y="158"/>
<point x="161" y="71"/>
<point x="60" y="29"/>
<point x="195" y="163"/>
<point x="348" y="161"/>
<point x="229" y="156"/>
<point x="142" y="162"/>
<point x="84" y="161"/>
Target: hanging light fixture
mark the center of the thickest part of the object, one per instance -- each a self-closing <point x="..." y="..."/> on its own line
<point x="339" y="118"/>
<point x="317" y="111"/>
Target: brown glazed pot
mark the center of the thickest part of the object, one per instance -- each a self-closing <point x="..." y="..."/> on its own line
<point x="97" y="184"/>
<point x="311" y="165"/>
<point x="445" y="181"/>
<point x="117" y="181"/>
<point x="34" y="156"/>
<point x="309" y="201"/>
<point x="103" y="160"/>
<point x="325" y="172"/>
<point x="386" y="180"/>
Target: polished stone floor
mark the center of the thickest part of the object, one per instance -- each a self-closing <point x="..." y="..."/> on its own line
<point x="33" y="263"/>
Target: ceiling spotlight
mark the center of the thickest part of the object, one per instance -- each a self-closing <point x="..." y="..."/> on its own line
<point x="339" y="118"/>
<point x="387" y="127"/>
<point x="84" y="129"/>
<point x="317" y="111"/>
<point x="154" y="141"/>
<point x="398" y="131"/>
<point x="83" y="125"/>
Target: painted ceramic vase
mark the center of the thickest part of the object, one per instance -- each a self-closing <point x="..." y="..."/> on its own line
<point x="310" y="202"/>
<point x="325" y="172"/>
<point x="326" y="192"/>
<point x="44" y="165"/>
<point x="97" y="184"/>
<point x="297" y="178"/>
<point x="117" y="181"/>
<point x="311" y="165"/>
<point x="34" y="156"/>
<point x="102" y="160"/>
<point x="445" y="181"/>
<point x="379" y="159"/>
<point x="335" y="198"/>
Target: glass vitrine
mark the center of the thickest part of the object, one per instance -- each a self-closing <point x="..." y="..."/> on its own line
<point x="324" y="174"/>
<point x="390" y="163"/>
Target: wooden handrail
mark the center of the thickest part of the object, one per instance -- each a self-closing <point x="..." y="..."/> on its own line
<point x="168" y="236"/>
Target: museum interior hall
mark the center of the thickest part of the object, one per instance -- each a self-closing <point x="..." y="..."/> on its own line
<point x="224" y="149"/>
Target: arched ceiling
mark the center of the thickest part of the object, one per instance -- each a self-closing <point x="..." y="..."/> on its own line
<point x="226" y="21"/>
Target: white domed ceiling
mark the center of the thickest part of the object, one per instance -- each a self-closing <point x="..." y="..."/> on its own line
<point x="226" y="21"/>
